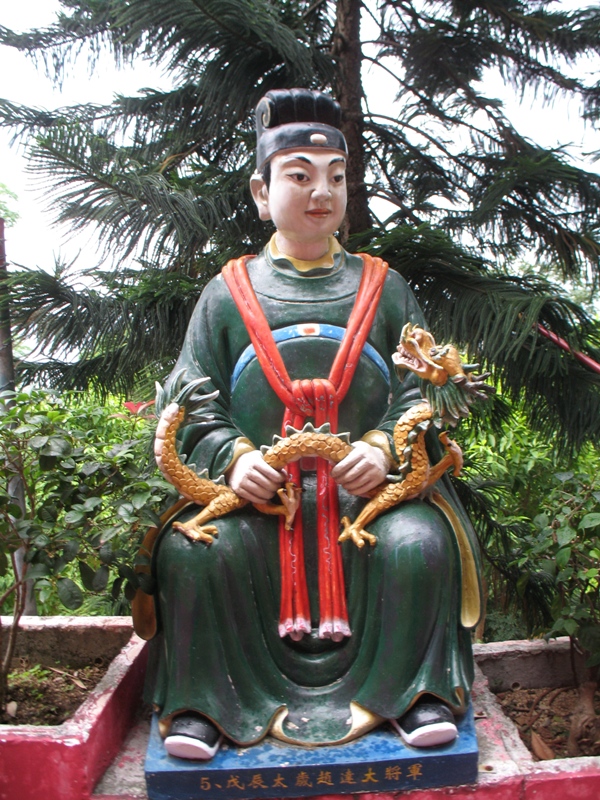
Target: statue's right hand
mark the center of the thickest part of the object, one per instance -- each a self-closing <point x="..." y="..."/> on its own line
<point x="253" y="479"/>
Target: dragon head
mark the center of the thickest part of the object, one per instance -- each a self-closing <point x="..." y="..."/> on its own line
<point x="418" y="352"/>
<point x="449" y="385"/>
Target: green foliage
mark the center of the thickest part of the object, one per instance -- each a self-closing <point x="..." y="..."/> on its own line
<point x="566" y="545"/>
<point x="543" y="546"/>
<point x="90" y="487"/>
<point x="9" y="216"/>
<point x="507" y="475"/>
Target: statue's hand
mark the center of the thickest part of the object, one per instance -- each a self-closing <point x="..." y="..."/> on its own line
<point x="363" y="469"/>
<point x="253" y="479"/>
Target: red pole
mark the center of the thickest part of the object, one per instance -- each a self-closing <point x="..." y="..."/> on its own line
<point x="589" y="362"/>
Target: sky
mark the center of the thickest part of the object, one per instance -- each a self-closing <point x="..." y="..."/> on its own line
<point x="36" y="241"/>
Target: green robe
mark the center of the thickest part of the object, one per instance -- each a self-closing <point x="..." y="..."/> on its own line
<point x="218" y="650"/>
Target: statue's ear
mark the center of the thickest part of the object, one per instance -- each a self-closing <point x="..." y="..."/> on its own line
<point x="260" y="193"/>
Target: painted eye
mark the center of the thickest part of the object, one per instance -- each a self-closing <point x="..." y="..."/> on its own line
<point x="300" y="177"/>
<point x="338" y="178"/>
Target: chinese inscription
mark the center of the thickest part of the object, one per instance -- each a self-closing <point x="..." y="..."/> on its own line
<point x="305" y="778"/>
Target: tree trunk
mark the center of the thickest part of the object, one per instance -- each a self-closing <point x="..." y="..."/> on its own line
<point x="347" y="53"/>
<point x="7" y="382"/>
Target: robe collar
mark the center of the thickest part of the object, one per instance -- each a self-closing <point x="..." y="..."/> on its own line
<point x="331" y="262"/>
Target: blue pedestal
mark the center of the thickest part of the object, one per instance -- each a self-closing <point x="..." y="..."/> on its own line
<point x="378" y="762"/>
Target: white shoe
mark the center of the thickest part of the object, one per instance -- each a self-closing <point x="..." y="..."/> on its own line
<point x="191" y="748"/>
<point x="192" y="736"/>
<point x="427" y="724"/>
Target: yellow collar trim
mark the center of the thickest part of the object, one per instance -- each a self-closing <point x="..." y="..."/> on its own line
<point x="325" y="262"/>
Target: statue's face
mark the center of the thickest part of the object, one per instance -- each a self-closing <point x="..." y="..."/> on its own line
<point x="306" y="198"/>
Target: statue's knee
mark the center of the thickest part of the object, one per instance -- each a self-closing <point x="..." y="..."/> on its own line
<point x="415" y="527"/>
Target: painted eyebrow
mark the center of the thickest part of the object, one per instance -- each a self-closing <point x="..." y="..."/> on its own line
<point x="335" y="160"/>
<point x="289" y="159"/>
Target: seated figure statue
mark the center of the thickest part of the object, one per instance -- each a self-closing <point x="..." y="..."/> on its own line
<point x="264" y="630"/>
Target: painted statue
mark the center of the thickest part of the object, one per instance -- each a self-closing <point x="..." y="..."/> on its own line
<point x="319" y="576"/>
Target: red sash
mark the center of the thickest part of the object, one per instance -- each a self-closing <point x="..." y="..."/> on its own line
<point x="318" y="398"/>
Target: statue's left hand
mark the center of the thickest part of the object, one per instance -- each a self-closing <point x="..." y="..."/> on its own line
<point x="363" y="469"/>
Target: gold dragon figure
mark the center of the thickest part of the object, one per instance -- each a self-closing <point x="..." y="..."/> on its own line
<point x="448" y="389"/>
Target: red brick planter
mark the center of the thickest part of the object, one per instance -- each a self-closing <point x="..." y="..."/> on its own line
<point x="64" y="762"/>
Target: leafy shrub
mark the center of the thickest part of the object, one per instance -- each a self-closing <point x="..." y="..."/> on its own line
<point x="543" y="547"/>
<point x="90" y="487"/>
<point x="566" y="544"/>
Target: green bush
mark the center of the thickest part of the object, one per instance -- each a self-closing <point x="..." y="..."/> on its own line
<point x="90" y="488"/>
<point x="541" y="565"/>
<point x="566" y="545"/>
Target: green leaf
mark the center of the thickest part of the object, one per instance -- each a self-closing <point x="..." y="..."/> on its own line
<point x="47" y="463"/>
<point x="130" y="590"/>
<point x="541" y="521"/>
<point x="3" y="563"/>
<point x="115" y="589"/>
<point x="125" y="571"/>
<point x="87" y="576"/>
<point x="91" y="503"/>
<point x="590" y="521"/>
<point x="565" y="535"/>
<point x="106" y="554"/>
<point x="58" y="564"/>
<point x="48" y="512"/>
<point x="140" y="499"/>
<point x="562" y="557"/>
<point x="91" y="467"/>
<point x="37" y="571"/>
<point x="56" y="446"/>
<point x="150" y="517"/>
<point x="563" y="477"/>
<point x="100" y="579"/>
<point x="38" y="441"/>
<point x="70" y="549"/>
<point x="15" y="510"/>
<point x="110" y="533"/>
<point x="127" y="512"/>
<point x="69" y="594"/>
<point x="570" y="626"/>
<point x="74" y="517"/>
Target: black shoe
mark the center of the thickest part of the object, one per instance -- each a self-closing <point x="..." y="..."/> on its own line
<point x="192" y="736"/>
<point x="427" y="724"/>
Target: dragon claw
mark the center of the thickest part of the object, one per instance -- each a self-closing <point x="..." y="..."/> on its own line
<point x="196" y="532"/>
<point x="453" y="451"/>
<point x="290" y="499"/>
<point x="356" y="534"/>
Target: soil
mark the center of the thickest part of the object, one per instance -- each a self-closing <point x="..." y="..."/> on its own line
<point x="543" y="717"/>
<point x="47" y="695"/>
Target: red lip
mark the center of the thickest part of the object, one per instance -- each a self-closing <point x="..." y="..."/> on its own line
<point x="319" y="212"/>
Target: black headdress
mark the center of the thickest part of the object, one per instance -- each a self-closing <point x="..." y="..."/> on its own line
<point x="290" y="118"/>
